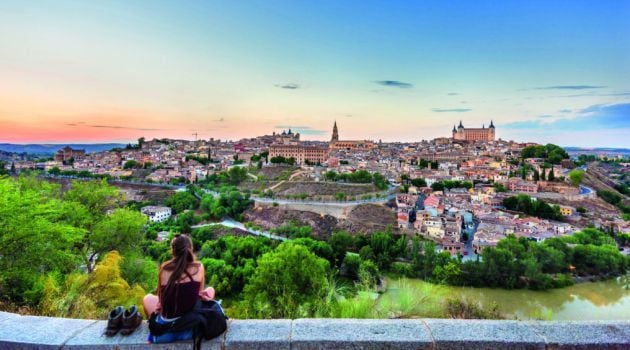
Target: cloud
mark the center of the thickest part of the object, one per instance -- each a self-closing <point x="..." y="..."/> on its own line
<point x="564" y="111"/>
<point x="304" y="130"/>
<point x="288" y="86"/>
<point x="600" y="116"/>
<point x="545" y="116"/>
<point x="394" y="83"/>
<point x="115" y="127"/>
<point x="569" y="87"/>
<point x="455" y="110"/>
<point x="220" y="120"/>
<point x="453" y="93"/>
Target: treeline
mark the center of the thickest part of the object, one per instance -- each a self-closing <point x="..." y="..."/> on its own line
<point x="359" y="176"/>
<point x="450" y="184"/>
<point x="232" y="177"/>
<point x="583" y="159"/>
<point x="614" y="199"/>
<point x="283" y="160"/>
<point x="306" y="268"/>
<point x="228" y="202"/>
<point x="522" y="263"/>
<point x="56" y="247"/>
<point x="78" y="173"/>
<point x="49" y="237"/>
<point x="531" y="206"/>
<point x="554" y="154"/>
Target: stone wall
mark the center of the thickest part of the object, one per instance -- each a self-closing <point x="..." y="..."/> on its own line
<point x="34" y="332"/>
<point x="338" y="211"/>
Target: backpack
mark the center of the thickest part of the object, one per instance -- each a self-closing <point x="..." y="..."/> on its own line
<point x="207" y="320"/>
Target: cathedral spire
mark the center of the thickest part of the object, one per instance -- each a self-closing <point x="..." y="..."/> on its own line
<point x="335" y="133"/>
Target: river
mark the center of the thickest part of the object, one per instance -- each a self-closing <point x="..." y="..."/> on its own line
<point x="608" y="300"/>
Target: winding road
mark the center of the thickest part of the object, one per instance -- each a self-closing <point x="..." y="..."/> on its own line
<point x="229" y="222"/>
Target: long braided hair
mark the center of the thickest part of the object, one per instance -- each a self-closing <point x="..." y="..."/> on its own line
<point x="183" y="256"/>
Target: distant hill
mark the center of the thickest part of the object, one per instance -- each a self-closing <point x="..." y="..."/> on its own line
<point x="49" y="149"/>
<point x="597" y="150"/>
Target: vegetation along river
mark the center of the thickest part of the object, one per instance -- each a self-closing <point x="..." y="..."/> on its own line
<point x="607" y="300"/>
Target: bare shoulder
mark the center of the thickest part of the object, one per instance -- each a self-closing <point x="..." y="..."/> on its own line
<point x="196" y="269"/>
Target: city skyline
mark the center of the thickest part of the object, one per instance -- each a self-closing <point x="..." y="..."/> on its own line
<point x="115" y="71"/>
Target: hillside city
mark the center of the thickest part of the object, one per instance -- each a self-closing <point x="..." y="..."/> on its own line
<point x="464" y="192"/>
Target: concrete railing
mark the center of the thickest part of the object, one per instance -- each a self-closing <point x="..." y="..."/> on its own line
<point x="34" y="332"/>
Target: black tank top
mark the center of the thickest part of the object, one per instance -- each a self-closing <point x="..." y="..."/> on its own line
<point x="183" y="298"/>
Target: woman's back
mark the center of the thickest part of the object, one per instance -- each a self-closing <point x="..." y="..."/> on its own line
<point x="185" y="291"/>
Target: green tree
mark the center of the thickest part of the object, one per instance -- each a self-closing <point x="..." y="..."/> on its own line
<point x="319" y="248"/>
<point x="230" y="203"/>
<point x="278" y="160"/>
<point x="379" y="181"/>
<point x="35" y="237"/>
<point x="138" y="269"/>
<point x="419" y="182"/>
<point x="131" y="164"/>
<point x="3" y="168"/>
<point x="121" y="230"/>
<point x="341" y="242"/>
<point x="352" y="263"/>
<point x="237" y="175"/>
<point x="359" y="176"/>
<point x="265" y="154"/>
<point x="230" y="261"/>
<point x="437" y="186"/>
<point x="368" y="273"/>
<point x="293" y="230"/>
<point x="576" y="176"/>
<point x="290" y="282"/>
<point x="499" y="187"/>
<point x="330" y="175"/>
<point x="181" y="201"/>
<point x="499" y="268"/>
<point x="96" y="196"/>
<point x="449" y="274"/>
<point x="551" y="176"/>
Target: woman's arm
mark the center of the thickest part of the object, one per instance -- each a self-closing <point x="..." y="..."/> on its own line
<point x="205" y="293"/>
<point x="202" y="280"/>
<point x="159" y="290"/>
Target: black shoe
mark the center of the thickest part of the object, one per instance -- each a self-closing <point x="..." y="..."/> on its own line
<point x="114" y="321"/>
<point x="131" y="320"/>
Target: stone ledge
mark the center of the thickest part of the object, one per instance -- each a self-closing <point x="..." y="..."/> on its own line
<point x="35" y="332"/>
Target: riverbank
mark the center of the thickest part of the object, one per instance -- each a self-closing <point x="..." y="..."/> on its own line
<point x="604" y="300"/>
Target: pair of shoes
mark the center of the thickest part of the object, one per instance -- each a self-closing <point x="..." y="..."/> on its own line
<point x="125" y="321"/>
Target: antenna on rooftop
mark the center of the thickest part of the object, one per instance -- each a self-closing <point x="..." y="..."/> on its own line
<point x="195" y="135"/>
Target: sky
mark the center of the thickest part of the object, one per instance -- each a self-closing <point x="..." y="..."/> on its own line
<point x="113" y="71"/>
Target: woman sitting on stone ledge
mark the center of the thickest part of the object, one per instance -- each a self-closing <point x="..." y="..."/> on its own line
<point x="180" y="286"/>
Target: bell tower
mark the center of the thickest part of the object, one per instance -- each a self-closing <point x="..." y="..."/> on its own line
<point x="335" y="133"/>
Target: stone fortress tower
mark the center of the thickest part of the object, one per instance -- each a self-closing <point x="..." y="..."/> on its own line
<point x="474" y="134"/>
